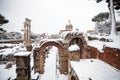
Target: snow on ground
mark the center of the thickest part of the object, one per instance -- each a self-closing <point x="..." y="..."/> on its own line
<point x="50" y="66"/>
<point x="9" y="73"/>
<point x="95" y="69"/>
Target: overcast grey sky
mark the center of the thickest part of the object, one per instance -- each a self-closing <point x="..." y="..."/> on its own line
<point x="50" y="16"/>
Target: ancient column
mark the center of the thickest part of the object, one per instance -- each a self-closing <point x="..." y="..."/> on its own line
<point x="27" y="33"/>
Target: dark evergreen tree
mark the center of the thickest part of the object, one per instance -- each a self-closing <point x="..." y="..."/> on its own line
<point x="3" y="20"/>
<point x="101" y="17"/>
<point x="116" y="3"/>
<point x="102" y="23"/>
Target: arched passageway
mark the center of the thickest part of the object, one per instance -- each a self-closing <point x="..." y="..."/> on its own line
<point x="63" y="57"/>
<point x="77" y="41"/>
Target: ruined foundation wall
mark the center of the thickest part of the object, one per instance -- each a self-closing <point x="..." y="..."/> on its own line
<point x="109" y="55"/>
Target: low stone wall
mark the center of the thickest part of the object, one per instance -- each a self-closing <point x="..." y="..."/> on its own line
<point x="92" y="52"/>
<point x="9" y="57"/>
<point x="109" y="55"/>
<point x="11" y="41"/>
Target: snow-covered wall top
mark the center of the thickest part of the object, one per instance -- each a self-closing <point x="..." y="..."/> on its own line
<point x="48" y="40"/>
<point x="26" y="53"/>
<point x="64" y="34"/>
<point x="98" y="70"/>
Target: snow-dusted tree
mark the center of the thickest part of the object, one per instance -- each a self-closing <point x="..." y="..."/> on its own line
<point x="112" y="4"/>
<point x="101" y="21"/>
<point x="101" y="17"/>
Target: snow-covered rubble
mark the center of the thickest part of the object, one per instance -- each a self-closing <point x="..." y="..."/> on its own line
<point x="73" y="32"/>
<point x="7" y="45"/>
<point x="15" y="48"/>
<point x="100" y="44"/>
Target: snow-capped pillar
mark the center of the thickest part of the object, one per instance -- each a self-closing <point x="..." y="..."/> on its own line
<point x="23" y="66"/>
<point x="41" y="62"/>
<point x="36" y="61"/>
<point x="83" y="48"/>
<point x="64" y="62"/>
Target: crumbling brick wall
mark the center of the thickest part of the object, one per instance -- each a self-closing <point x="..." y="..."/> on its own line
<point x="74" y="55"/>
<point x="109" y="55"/>
<point x="92" y="52"/>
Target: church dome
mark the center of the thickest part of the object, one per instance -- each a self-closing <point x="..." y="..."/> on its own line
<point x="69" y="26"/>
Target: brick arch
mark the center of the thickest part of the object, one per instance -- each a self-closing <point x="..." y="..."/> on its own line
<point x="81" y="43"/>
<point x="51" y="43"/>
<point x="79" y="38"/>
<point x="63" y="63"/>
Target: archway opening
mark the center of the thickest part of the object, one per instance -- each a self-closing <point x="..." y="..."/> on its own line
<point x="78" y="46"/>
<point x="63" y="64"/>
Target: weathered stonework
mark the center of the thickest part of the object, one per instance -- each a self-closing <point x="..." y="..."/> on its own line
<point x="36" y="57"/>
<point x="64" y="54"/>
<point x="23" y="67"/>
<point x="72" y="75"/>
<point x="109" y="55"/>
<point x="92" y="52"/>
<point x="74" y="55"/>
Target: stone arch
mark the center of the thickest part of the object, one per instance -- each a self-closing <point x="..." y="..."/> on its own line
<point x="79" y="39"/>
<point x="51" y="43"/>
<point x="63" y="58"/>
